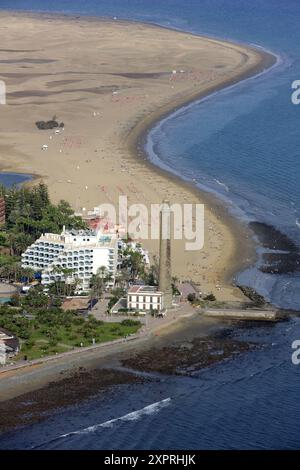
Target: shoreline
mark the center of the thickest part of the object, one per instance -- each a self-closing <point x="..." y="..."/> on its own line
<point x="137" y="140"/>
<point x="137" y="135"/>
<point x="38" y="373"/>
<point x="32" y="402"/>
<point x="237" y="236"/>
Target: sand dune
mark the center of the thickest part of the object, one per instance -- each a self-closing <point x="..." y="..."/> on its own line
<point x="108" y="81"/>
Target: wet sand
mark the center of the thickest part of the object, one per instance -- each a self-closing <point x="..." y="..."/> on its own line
<point x="109" y="82"/>
<point x="185" y="350"/>
<point x="36" y="406"/>
<point x="284" y="255"/>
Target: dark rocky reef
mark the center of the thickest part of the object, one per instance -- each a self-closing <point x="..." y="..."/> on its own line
<point x="257" y="299"/>
<point x="285" y="255"/>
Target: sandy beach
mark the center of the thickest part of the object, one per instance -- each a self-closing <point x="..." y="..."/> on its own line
<point x="32" y="394"/>
<point x="109" y="82"/>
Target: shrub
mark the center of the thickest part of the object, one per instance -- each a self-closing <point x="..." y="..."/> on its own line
<point x="15" y="300"/>
<point x="72" y="337"/>
<point x="79" y="321"/>
<point x="191" y="298"/>
<point x="112" y="302"/>
<point x="115" y="328"/>
<point x="29" y="343"/>
<point x="210" y="298"/>
<point x="129" y="322"/>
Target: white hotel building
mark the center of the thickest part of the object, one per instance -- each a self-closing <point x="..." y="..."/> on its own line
<point x="82" y="251"/>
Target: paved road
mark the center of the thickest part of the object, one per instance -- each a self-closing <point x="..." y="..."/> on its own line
<point x="7" y="288"/>
<point x="27" y="376"/>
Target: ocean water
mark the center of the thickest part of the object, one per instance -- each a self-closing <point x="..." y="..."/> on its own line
<point x="12" y="179"/>
<point x="242" y="143"/>
<point x="250" y="402"/>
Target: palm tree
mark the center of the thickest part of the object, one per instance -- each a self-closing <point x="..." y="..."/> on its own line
<point x="96" y="288"/>
<point x="67" y="274"/>
<point x="28" y="273"/>
<point x="137" y="263"/>
<point x="102" y="271"/>
<point x="123" y="278"/>
<point x="174" y="285"/>
<point x="13" y="272"/>
<point x="57" y="270"/>
<point x="5" y="272"/>
<point x="21" y="243"/>
<point x="108" y="278"/>
<point x="76" y="283"/>
<point x="105" y="275"/>
<point x="98" y="282"/>
<point x="11" y="238"/>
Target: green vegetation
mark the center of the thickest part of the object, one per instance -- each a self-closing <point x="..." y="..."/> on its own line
<point x="29" y="213"/>
<point x="116" y="294"/>
<point x="134" y="268"/>
<point x="151" y="275"/>
<point x="207" y="304"/>
<point x="191" y="298"/>
<point x="37" y="319"/>
<point x="133" y="262"/>
<point x="131" y="323"/>
<point x="50" y="330"/>
<point x="210" y="298"/>
<point x="98" y="283"/>
<point x="208" y="301"/>
<point x="175" y="290"/>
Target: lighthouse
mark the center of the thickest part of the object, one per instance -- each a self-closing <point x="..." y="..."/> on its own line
<point x="165" y="276"/>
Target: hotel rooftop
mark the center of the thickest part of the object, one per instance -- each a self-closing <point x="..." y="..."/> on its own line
<point x="143" y="289"/>
<point x="69" y="239"/>
<point x="83" y="252"/>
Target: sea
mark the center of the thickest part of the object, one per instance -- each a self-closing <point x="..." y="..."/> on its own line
<point x="13" y="179"/>
<point x="241" y="144"/>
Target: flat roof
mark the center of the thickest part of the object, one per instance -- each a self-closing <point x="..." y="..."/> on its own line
<point x="144" y="289"/>
<point x="186" y="288"/>
<point x="103" y="241"/>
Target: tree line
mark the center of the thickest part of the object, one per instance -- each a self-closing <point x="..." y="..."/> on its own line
<point x="28" y="214"/>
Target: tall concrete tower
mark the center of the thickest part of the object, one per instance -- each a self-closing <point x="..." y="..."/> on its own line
<point x="165" y="280"/>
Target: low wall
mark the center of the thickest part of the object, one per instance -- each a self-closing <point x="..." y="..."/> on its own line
<point x="255" y="315"/>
